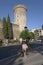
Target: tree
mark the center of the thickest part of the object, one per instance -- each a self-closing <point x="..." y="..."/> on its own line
<point x="9" y="27"/>
<point x="25" y="34"/>
<point x="4" y="27"/>
<point x="42" y="27"/>
<point x="22" y="34"/>
<point x="32" y="35"/>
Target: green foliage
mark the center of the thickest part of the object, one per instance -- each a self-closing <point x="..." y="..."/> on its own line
<point x="4" y="27"/>
<point x="22" y="34"/>
<point x="32" y="36"/>
<point x="9" y="27"/>
<point x="25" y="34"/>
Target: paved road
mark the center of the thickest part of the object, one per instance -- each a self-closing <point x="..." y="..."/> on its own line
<point x="34" y="57"/>
<point x="31" y="59"/>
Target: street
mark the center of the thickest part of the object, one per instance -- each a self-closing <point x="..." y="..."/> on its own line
<point x="34" y="57"/>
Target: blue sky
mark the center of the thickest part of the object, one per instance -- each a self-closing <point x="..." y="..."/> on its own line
<point x="34" y="11"/>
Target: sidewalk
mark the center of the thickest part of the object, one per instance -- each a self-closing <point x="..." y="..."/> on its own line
<point x="30" y="59"/>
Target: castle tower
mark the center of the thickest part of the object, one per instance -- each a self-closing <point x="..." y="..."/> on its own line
<point x="20" y="16"/>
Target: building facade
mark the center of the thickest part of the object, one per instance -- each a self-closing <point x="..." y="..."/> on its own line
<point x="19" y="23"/>
<point x="19" y="20"/>
<point x="1" y="30"/>
<point x="20" y="16"/>
<point x="37" y="32"/>
<point x="16" y="31"/>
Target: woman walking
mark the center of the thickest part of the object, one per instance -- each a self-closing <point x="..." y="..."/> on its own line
<point x="24" y="47"/>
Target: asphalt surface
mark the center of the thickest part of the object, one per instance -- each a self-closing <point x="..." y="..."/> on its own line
<point x="34" y="57"/>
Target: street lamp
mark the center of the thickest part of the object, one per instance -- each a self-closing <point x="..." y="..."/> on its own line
<point x="25" y="27"/>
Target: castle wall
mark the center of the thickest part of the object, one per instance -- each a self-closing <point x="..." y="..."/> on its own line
<point x="20" y="16"/>
<point x="16" y="31"/>
<point x="1" y="30"/>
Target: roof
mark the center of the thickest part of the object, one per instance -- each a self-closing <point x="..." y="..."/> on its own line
<point x="20" y="6"/>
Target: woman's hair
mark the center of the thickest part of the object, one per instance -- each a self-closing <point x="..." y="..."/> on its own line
<point x="23" y="42"/>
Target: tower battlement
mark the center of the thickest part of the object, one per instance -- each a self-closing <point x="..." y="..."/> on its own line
<point x="20" y="6"/>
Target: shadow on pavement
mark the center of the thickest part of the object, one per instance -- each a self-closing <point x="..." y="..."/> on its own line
<point x="11" y="60"/>
<point x="42" y="64"/>
<point x="9" y="55"/>
<point x="36" y="48"/>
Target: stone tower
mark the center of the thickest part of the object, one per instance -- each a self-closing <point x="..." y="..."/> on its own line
<point x="20" y="16"/>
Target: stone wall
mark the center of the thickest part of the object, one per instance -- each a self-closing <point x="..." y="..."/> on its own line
<point x="20" y="16"/>
<point x="16" y="31"/>
<point x="1" y="30"/>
